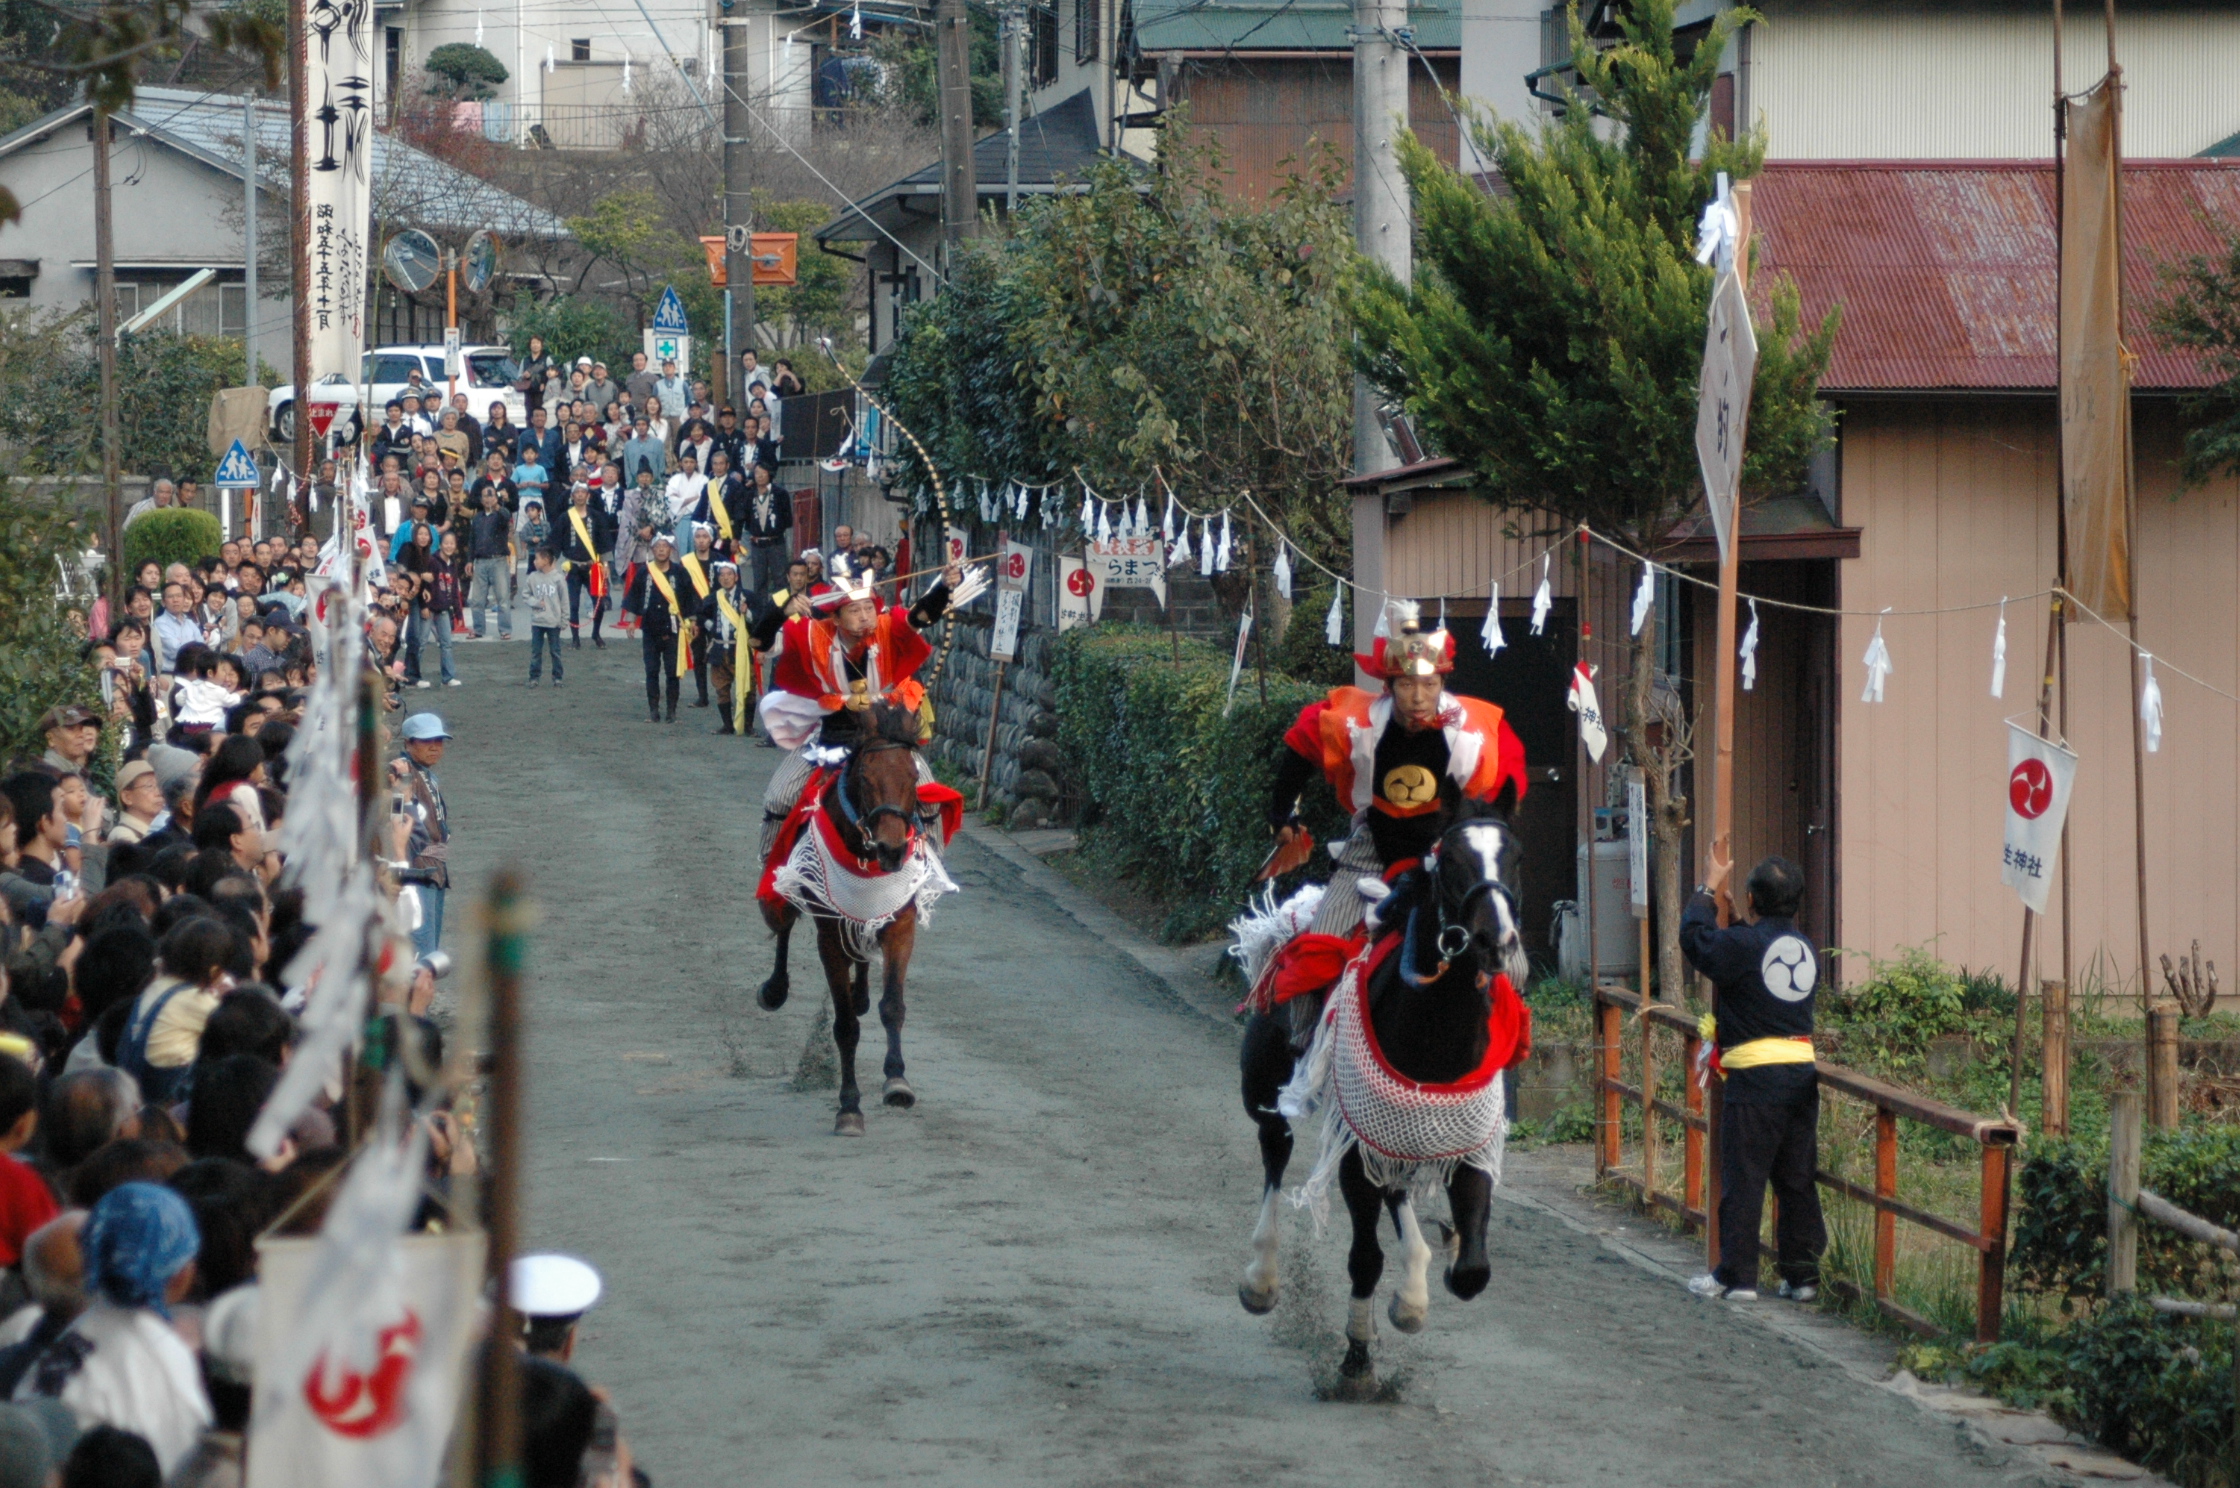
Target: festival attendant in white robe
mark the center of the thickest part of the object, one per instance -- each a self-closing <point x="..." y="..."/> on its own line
<point x="121" y="1363"/>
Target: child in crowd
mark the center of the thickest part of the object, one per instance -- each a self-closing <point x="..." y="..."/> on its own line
<point x="546" y="590"/>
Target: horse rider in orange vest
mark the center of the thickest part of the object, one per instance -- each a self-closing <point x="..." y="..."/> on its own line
<point x="833" y="664"/>
<point x="1387" y="756"/>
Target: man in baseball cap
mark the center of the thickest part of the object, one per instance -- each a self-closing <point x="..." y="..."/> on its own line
<point x="552" y="1293"/>
<point x="71" y="732"/>
<point x="423" y="833"/>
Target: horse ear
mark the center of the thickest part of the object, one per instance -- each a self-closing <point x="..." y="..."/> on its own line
<point x="1505" y="802"/>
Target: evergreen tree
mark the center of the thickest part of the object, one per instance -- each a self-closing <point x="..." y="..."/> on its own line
<point x="1553" y="335"/>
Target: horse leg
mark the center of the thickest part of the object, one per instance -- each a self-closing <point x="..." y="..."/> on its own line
<point x="1470" y="1196"/>
<point x="894" y="947"/>
<point x="837" y="974"/>
<point x="1364" y="1263"/>
<point x="863" y="987"/>
<point x="772" y="995"/>
<point x="1411" y="1303"/>
<point x="1266" y="1064"/>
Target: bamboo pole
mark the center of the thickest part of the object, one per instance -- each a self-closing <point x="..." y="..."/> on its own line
<point x="2053" y="1105"/>
<point x="499" y="1415"/>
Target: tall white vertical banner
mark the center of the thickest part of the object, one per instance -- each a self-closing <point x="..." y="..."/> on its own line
<point x="338" y="123"/>
<point x="1011" y="600"/>
<point x="2040" y="774"/>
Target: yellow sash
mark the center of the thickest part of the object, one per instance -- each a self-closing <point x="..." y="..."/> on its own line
<point x="723" y="513"/>
<point x="699" y="574"/>
<point x="740" y="657"/>
<point x="731" y="614"/>
<point x="660" y="581"/>
<point x="1761" y="1051"/>
<point x="583" y="534"/>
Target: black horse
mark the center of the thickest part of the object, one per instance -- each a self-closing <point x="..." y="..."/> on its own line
<point x="874" y="809"/>
<point x="1429" y="1004"/>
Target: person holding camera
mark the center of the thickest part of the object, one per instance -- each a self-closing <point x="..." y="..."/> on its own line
<point x="420" y="826"/>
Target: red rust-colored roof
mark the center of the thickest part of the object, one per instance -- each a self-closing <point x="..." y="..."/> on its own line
<point x="1946" y="269"/>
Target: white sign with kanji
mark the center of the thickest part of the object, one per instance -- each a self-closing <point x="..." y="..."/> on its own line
<point x="1730" y="360"/>
<point x="1012" y="573"/>
<point x="1080" y="594"/>
<point x="1130" y="563"/>
<point x="2040" y="774"/>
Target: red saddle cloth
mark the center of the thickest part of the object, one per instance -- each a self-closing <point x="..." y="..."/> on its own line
<point x="949" y="801"/>
<point x="1314" y="962"/>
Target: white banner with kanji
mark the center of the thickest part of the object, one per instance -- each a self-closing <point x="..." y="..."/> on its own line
<point x="1012" y="575"/>
<point x="2040" y="774"/>
<point x="375" y="1406"/>
<point x="338" y="129"/>
<point x="1129" y="563"/>
<point x="1080" y="596"/>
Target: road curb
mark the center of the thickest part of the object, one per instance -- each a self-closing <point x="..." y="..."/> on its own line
<point x="1181" y="974"/>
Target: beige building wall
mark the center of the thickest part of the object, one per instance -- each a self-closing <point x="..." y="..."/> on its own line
<point x="1974" y="82"/>
<point x="1956" y="505"/>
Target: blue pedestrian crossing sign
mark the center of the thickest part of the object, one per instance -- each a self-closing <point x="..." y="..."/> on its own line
<point x="238" y="468"/>
<point x="669" y="314"/>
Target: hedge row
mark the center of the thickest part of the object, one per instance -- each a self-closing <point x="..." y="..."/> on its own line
<point x="1178" y="792"/>
<point x="2061" y="1228"/>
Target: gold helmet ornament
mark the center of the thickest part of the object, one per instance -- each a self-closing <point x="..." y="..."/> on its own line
<point x="849" y="583"/>
<point x="1404" y="649"/>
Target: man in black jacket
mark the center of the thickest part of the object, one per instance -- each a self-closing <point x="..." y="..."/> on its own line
<point x="1765" y="974"/>
<point x="585" y="537"/>
<point x="660" y="596"/>
<point x="767" y="518"/>
<point x="728" y="618"/>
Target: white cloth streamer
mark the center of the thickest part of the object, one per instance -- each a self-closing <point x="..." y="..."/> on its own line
<point x="1999" y="653"/>
<point x="1644" y="596"/>
<point x="1750" y="651"/>
<point x="1878" y="666"/>
<point x="1490" y="632"/>
<point x="1542" y="600"/>
<point x="2150" y="704"/>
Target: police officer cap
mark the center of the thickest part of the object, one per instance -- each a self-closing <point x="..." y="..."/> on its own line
<point x="424" y="726"/>
<point x="552" y="1286"/>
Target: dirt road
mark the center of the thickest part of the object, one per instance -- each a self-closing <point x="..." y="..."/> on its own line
<point x="1029" y="1279"/>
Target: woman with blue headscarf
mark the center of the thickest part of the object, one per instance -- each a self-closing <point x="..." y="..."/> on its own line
<point x="120" y="1364"/>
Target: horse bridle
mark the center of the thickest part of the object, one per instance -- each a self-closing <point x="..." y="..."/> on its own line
<point x="861" y="822"/>
<point x="1455" y="925"/>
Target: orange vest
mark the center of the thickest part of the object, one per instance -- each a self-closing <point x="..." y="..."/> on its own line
<point x="1355" y="720"/>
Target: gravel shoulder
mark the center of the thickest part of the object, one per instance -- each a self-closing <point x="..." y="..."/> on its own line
<point x="1029" y="1279"/>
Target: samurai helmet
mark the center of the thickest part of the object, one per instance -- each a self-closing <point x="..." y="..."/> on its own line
<point x="850" y="582"/>
<point x="1404" y="649"/>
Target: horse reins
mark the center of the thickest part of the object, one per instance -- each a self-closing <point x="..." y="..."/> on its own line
<point x="1448" y="955"/>
<point x="860" y="822"/>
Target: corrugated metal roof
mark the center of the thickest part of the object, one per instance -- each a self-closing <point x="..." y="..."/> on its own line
<point x="1946" y="270"/>
<point x="1058" y="144"/>
<point x="1276" y="25"/>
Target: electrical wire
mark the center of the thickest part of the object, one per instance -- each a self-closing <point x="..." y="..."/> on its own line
<point x="2162" y="663"/>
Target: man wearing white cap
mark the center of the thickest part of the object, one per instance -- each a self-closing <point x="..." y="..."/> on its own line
<point x="552" y="1293"/>
<point x="423" y="845"/>
<point x="662" y="615"/>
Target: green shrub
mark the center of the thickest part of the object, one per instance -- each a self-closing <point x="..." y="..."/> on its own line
<point x="1887" y="1021"/>
<point x="2157" y="1389"/>
<point x="2061" y="1223"/>
<point x="1179" y="792"/>
<point x="1305" y="651"/>
<point x="172" y="535"/>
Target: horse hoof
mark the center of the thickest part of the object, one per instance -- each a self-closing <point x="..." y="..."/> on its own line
<point x="772" y="994"/>
<point x="849" y="1124"/>
<point x="1467" y="1281"/>
<point x="1259" y="1301"/>
<point x="899" y="1093"/>
<point x="1357" y="1375"/>
<point x="1407" y="1319"/>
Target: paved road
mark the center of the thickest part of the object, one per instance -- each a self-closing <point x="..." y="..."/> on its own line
<point x="1030" y="1278"/>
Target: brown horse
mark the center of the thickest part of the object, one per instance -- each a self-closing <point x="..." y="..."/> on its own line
<point x="872" y="810"/>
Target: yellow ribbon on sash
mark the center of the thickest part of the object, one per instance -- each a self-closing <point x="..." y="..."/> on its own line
<point x="684" y="647"/>
<point x="699" y="574"/>
<point x="583" y="534"/>
<point x="722" y="512"/>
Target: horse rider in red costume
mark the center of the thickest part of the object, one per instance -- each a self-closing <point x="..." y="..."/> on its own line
<point x="1389" y="757"/>
<point x="833" y="663"/>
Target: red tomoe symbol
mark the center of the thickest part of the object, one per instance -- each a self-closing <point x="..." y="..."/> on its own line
<point x="2030" y="789"/>
<point x="1080" y="582"/>
<point x="1016" y="565"/>
<point x="365" y="1405"/>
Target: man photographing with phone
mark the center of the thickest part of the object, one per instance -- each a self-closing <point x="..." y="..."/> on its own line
<point x="420" y="833"/>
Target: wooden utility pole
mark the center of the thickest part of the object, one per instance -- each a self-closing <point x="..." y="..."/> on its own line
<point x="1014" y="31"/>
<point x="960" y="188"/>
<point x="105" y="322"/>
<point x="738" y="205"/>
<point x="499" y="1418"/>
<point x="299" y="246"/>
<point x="249" y="241"/>
<point x="1382" y="232"/>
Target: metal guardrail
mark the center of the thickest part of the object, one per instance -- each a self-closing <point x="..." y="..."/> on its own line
<point x="1699" y="1192"/>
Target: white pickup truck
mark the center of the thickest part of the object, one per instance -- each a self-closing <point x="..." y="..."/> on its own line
<point x="487" y="376"/>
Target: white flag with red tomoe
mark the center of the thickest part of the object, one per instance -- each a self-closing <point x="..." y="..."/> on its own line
<point x="2040" y="774"/>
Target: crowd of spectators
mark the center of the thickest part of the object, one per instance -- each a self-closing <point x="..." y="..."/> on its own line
<point x="147" y="1013"/>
